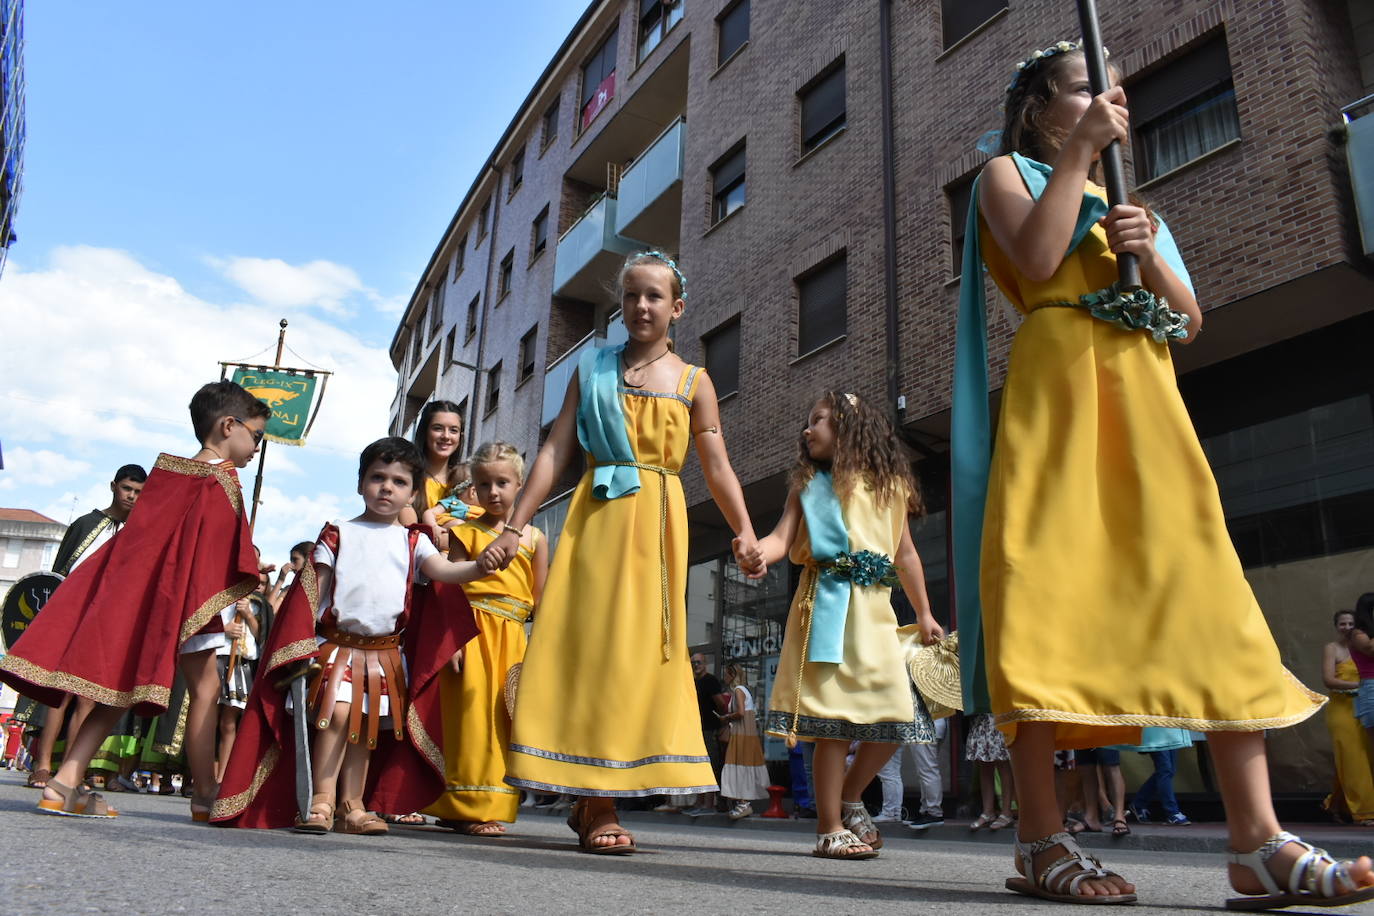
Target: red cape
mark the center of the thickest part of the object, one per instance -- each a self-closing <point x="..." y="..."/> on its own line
<point x="259" y="787"/>
<point x="112" y="630"/>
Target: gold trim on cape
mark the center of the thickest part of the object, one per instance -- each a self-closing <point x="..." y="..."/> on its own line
<point x="234" y="805"/>
<point x="179" y="732"/>
<point x="423" y="741"/>
<point x="217" y="603"/>
<point x="192" y="468"/>
<point x="70" y="683"/>
<point x="292" y="652"/>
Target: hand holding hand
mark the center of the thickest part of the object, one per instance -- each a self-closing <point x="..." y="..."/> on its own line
<point x="500" y="552"/>
<point x="749" y="556"/>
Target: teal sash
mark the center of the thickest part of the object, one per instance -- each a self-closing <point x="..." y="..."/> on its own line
<point x="970" y="422"/>
<point x="829" y="539"/>
<point x="455" y="507"/>
<point x="601" y="423"/>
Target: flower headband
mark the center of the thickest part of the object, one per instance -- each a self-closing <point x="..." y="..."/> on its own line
<point x="990" y="141"/>
<point x="672" y="265"/>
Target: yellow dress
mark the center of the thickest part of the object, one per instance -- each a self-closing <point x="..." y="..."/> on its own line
<point x="476" y="724"/>
<point x="1112" y="595"/>
<point x="1354" y="784"/>
<point x="599" y="710"/>
<point x="867" y="697"/>
<point x="435" y="490"/>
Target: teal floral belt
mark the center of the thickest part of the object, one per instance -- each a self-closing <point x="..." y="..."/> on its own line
<point x="863" y="567"/>
<point x="1132" y="310"/>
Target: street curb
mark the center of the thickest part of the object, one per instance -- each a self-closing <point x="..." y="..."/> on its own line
<point x="1341" y="842"/>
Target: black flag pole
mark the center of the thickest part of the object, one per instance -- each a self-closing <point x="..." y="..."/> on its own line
<point x="1114" y="172"/>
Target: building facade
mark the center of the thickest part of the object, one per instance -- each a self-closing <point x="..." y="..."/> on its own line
<point x="12" y="122"/>
<point x="811" y="164"/>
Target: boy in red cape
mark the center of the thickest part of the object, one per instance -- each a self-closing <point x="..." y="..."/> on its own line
<point x="377" y="725"/>
<point x="149" y="601"/>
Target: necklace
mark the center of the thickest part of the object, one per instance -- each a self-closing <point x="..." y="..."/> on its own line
<point x="624" y="377"/>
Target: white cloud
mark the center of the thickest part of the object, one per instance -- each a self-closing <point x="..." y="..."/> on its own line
<point x="285" y="519"/>
<point x="71" y="505"/>
<point x="25" y="468"/>
<point x="272" y="281"/>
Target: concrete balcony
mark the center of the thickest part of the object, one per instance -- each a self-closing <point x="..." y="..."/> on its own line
<point x="650" y="197"/>
<point x="1359" y="151"/>
<point x="590" y="253"/>
<point x="559" y="373"/>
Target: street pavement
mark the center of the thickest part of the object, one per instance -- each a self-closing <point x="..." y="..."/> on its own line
<point x="154" y="860"/>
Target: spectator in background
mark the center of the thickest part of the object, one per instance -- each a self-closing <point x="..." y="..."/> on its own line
<point x="987" y="750"/>
<point x="744" y="776"/>
<point x="1352" y="795"/>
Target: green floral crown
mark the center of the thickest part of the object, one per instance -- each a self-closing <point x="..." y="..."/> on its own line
<point x="1026" y="67"/>
<point x="672" y="265"/>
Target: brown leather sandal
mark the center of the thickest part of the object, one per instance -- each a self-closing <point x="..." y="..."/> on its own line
<point x="38" y="779"/>
<point x="364" y="824"/>
<point x="78" y="802"/>
<point x="321" y="818"/>
<point x="580" y="822"/>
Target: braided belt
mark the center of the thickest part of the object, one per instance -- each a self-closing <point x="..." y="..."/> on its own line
<point x="504" y="606"/>
<point x="664" y="474"/>
<point x="375" y="670"/>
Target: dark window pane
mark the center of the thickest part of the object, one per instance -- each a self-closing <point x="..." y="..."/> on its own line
<point x="959" y="17"/>
<point x="734" y="30"/>
<point x="458" y="258"/>
<point x="527" y="353"/>
<point x="821" y="305"/>
<point x="600" y="66"/>
<point x="959" y="195"/>
<point x="722" y="358"/>
<point x="728" y="201"/>
<point x="517" y="169"/>
<point x="823" y="109"/>
<point x="1184" y="110"/>
<point x="541" y="230"/>
<point x="507" y="267"/>
<point x="472" y="316"/>
<point x="493" y="387"/>
<point x="551" y="122"/>
<point x="727" y="184"/>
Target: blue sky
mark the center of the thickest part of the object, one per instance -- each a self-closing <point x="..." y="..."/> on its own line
<point x="197" y="171"/>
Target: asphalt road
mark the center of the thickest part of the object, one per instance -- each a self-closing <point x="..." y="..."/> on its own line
<point x="153" y="860"/>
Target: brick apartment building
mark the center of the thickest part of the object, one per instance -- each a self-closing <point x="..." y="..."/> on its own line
<point x="811" y="164"/>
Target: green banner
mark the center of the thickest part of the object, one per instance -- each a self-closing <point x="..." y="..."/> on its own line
<point x="289" y="394"/>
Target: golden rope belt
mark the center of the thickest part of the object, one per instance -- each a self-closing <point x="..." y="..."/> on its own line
<point x="810" y="576"/>
<point x="664" y="474"/>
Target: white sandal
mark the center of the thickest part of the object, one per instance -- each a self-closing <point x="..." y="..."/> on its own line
<point x="837" y="845"/>
<point x="1315" y="879"/>
<point x="855" y="817"/>
<point x="1053" y="882"/>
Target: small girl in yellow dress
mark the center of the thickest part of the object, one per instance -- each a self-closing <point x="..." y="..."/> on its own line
<point x="476" y="798"/>
<point x="1098" y="509"/>
<point x="841" y="677"/>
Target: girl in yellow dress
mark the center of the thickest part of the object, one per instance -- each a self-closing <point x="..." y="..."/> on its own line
<point x="606" y="707"/>
<point x="476" y="798"/>
<point x="1352" y="796"/>
<point x="1101" y="510"/>
<point x="842" y="675"/>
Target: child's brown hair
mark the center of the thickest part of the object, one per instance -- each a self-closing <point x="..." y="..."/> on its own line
<point x="867" y="452"/>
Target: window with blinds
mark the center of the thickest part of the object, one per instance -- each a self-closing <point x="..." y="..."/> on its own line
<point x="822" y="107"/>
<point x="727" y="184"/>
<point x="598" y="79"/>
<point x="656" y="20"/>
<point x="1183" y="110"/>
<point x="961" y="18"/>
<point x="732" y="30"/>
<point x="722" y="357"/>
<point x="821" y="314"/>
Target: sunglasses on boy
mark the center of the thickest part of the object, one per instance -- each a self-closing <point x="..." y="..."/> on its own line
<point x="257" y="434"/>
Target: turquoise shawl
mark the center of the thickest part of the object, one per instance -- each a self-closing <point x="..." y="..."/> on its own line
<point x="970" y="422"/>
<point x="601" y="423"/>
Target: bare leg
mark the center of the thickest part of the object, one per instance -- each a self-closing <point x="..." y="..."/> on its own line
<point x="987" y="789"/>
<point x="47" y="738"/>
<point x="352" y="780"/>
<point x="228" y="731"/>
<point x="1243" y="778"/>
<point x="1115" y="786"/>
<point x="202" y="688"/>
<point x="83" y="709"/>
<point x="327" y="754"/>
<point x="1092" y="813"/>
<point x="1008" y="787"/>
<point x="1032" y="762"/>
<point x="828" y="770"/>
<point x="81" y="747"/>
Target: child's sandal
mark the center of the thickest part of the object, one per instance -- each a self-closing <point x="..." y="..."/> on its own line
<point x="855" y="817"/>
<point x="321" y="818"/>
<point x="1315" y="878"/>
<point x="75" y="802"/>
<point x="364" y="824"/>
<point x="842" y="844"/>
<point x="1059" y="881"/>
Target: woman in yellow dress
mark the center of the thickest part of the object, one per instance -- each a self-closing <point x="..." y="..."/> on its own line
<point x="476" y="798"/>
<point x="439" y="437"/>
<point x="1352" y="796"/>
<point x="842" y="674"/>
<point x="1101" y="511"/>
<point x="606" y="707"/>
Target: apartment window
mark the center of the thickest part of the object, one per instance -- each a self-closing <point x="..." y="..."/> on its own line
<point x="494" y="387"/>
<point x="49" y="551"/>
<point x="417" y="340"/>
<point x="517" y="170"/>
<point x="13" y="547"/>
<point x="463" y="414"/>
<point x="960" y="18"/>
<point x="959" y="194"/>
<point x="451" y="345"/>
<point x="458" y="258"/>
<point x="722" y="357"/>
<point x="527" y="352"/>
<point x="732" y="30"/>
<point x="551" y="122"/>
<point x="727" y="184"/>
<point x="598" y="79"/>
<point x="472" y="317"/>
<point x="541" y="232"/>
<point x="1184" y="110"/>
<point x="822" y="107"/>
<point x="821" y="305"/>
<point x="483" y="218"/>
<point x="507" y="268"/>
<point x="656" y="20"/>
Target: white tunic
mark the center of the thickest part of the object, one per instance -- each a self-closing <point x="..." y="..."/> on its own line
<point x="370" y="584"/>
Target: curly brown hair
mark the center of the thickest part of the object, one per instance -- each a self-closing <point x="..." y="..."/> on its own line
<point x="866" y="449"/>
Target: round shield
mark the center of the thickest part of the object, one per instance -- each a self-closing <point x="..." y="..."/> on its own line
<point x="23" y="602"/>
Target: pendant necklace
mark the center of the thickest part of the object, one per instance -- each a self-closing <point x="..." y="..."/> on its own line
<point x="624" y="377"/>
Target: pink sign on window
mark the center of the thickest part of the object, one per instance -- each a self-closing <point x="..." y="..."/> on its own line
<point x="603" y="95"/>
